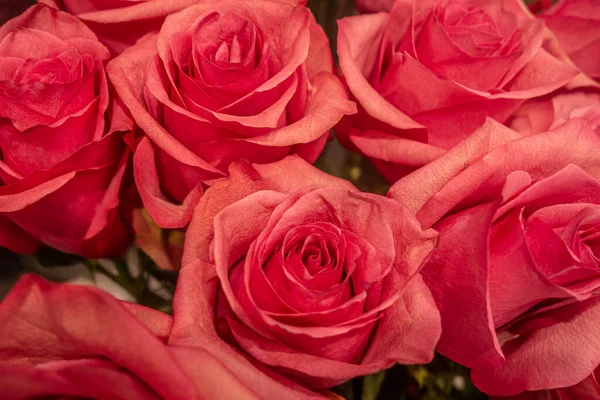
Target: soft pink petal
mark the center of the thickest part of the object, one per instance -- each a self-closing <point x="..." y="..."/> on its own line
<point x="559" y="355"/>
<point x="165" y="213"/>
<point x="73" y="322"/>
<point x="457" y="275"/>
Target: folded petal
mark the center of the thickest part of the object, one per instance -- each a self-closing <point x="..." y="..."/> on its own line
<point x="560" y="355"/>
<point x="62" y="331"/>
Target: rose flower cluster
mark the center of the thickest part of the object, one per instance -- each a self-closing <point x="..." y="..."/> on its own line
<point x="190" y="128"/>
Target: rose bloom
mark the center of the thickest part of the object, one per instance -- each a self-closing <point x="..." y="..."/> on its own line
<point x="549" y="112"/>
<point x="307" y="275"/>
<point x="62" y="158"/>
<point x="223" y="81"/>
<point x="87" y="344"/>
<point x="515" y="274"/>
<point x="120" y="23"/>
<point x="428" y="73"/>
<point x="576" y="24"/>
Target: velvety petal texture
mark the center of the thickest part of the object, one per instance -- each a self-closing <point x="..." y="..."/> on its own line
<point x="304" y="273"/>
<point x="515" y="274"/>
<point x="59" y="341"/>
<point x="426" y="74"/>
<point x="223" y="81"/>
<point x="62" y="156"/>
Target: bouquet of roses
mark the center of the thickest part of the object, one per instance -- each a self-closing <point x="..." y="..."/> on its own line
<point x="393" y="199"/>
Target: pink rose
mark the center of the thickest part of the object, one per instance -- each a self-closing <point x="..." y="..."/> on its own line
<point x="306" y="274"/>
<point x="63" y="158"/>
<point x="222" y="81"/>
<point x="576" y="24"/>
<point x="78" y="342"/>
<point x="428" y="73"/>
<point x="120" y="23"/>
<point x="541" y="115"/>
<point x="515" y="274"/>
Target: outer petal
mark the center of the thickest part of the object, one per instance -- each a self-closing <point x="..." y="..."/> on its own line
<point x="410" y="330"/>
<point x="541" y="75"/>
<point x="458" y="276"/>
<point x="16" y="239"/>
<point x="92" y="226"/>
<point x="357" y="59"/>
<point x="216" y="362"/>
<point x="559" y="355"/>
<point x="586" y="389"/>
<point x="417" y="188"/>
<point x="119" y="24"/>
<point x="73" y="322"/>
<point x="163" y="211"/>
<point x="326" y="106"/>
<point x="82" y="379"/>
<point x="391" y="148"/>
<point x="62" y="25"/>
<point x="454" y="185"/>
<point x="317" y="372"/>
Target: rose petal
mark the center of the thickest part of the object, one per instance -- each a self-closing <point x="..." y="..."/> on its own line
<point x="63" y="332"/>
<point x="559" y="355"/>
<point x="163" y="211"/>
<point x="15" y="239"/>
<point x="458" y="274"/>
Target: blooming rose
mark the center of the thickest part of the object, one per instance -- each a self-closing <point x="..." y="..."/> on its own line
<point x="222" y="81"/>
<point x="427" y="74"/>
<point x="576" y="24"/>
<point x="62" y="157"/>
<point x="78" y="342"/>
<point x="120" y="23"/>
<point x="588" y="389"/>
<point x="541" y="115"/>
<point x="515" y="274"/>
<point x="312" y="276"/>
